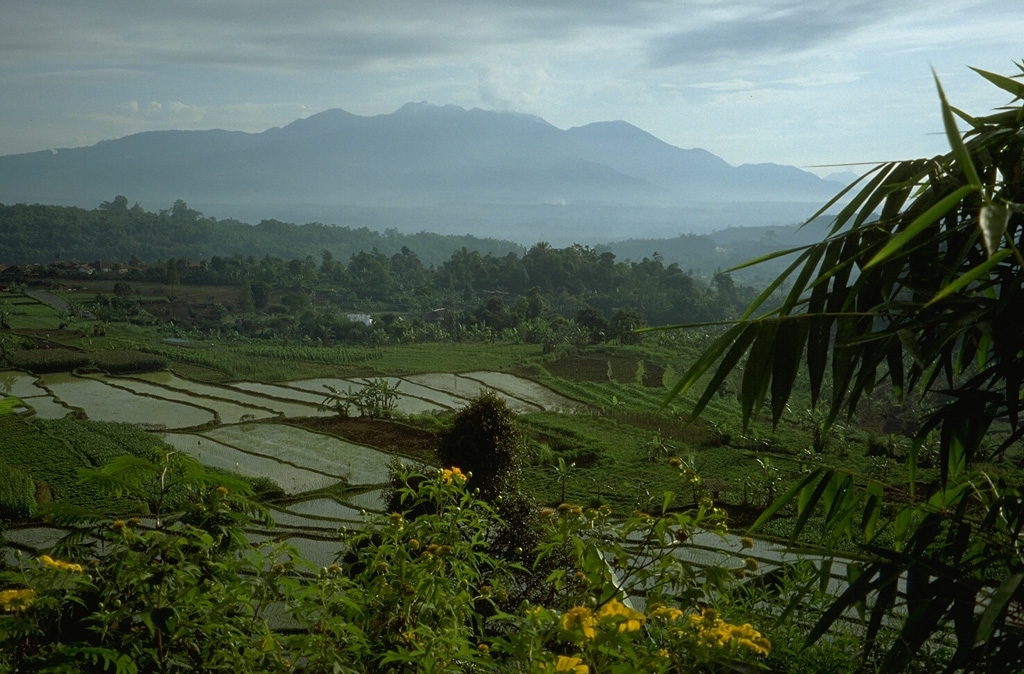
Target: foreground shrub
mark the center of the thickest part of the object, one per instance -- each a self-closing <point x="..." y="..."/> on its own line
<point x="185" y="590"/>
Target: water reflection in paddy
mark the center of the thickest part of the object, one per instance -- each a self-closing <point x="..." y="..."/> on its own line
<point x="101" y="402"/>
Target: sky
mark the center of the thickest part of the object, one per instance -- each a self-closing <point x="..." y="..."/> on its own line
<point x="803" y="82"/>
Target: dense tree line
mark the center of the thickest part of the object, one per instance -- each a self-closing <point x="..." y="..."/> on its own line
<point x="116" y="231"/>
<point x="545" y="292"/>
<point x="410" y="283"/>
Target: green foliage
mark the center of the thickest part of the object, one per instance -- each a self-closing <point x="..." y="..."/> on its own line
<point x="927" y="294"/>
<point x="51" y="462"/>
<point x="127" y="361"/>
<point x="41" y="361"/>
<point x="17" y="493"/>
<point x="375" y="399"/>
<point x="484" y="439"/>
<point x="9" y="404"/>
<point x="186" y="592"/>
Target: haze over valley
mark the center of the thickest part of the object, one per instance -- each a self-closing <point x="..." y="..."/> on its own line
<point x="427" y="167"/>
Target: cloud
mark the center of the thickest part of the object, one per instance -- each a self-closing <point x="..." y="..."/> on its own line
<point x="510" y="87"/>
<point x="760" y="30"/>
<point x="137" y="110"/>
<point x="184" y="113"/>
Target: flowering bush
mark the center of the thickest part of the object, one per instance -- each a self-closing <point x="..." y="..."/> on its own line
<point x="186" y="591"/>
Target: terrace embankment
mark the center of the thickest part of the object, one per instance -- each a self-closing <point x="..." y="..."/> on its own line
<point x="388" y="435"/>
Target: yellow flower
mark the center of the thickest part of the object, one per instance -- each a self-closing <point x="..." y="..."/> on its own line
<point x="714" y="631"/>
<point x="662" y="612"/>
<point x="631" y="621"/>
<point x="16" y="600"/>
<point x="747" y="542"/>
<point x="582" y="618"/>
<point x="759" y="646"/>
<point x="567" y="664"/>
<point x="59" y="564"/>
<point x="453" y="474"/>
<point x="409" y="638"/>
<point x="675" y="462"/>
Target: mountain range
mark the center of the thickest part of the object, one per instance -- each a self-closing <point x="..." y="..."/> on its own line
<point x="442" y="168"/>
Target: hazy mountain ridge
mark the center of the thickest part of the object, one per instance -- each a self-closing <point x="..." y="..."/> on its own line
<point x="420" y="156"/>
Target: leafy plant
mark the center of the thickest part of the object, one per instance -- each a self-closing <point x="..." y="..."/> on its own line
<point x="917" y="284"/>
<point x="375" y="399"/>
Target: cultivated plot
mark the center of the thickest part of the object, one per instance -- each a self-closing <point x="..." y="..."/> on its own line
<point x="523" y="389"/>
<point x="321" y="513"/>
<point x="412" y="399"/>
<point x="279" y="407"/>
<point x="292" y="479"/>
<point x="46" y="407"/>
<point x="305" y="449"/>
<point x="19" y="384"/>
<point x="101" y="402"/>
<point x="280" y="392"/>
<point x="227" y="412"/>
<point x="463" y="387"/>
<point x="368" y="500"/>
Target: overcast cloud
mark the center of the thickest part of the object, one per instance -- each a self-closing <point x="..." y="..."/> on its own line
<point x="786" y="81"/>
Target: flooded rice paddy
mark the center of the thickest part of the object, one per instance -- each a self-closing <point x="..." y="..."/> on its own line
<point x="103" y="402"/>
<point x="292" y="479"/>
<point x="242" y="427"/>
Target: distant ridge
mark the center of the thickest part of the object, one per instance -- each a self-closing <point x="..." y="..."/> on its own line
<point x="483" y="168"/>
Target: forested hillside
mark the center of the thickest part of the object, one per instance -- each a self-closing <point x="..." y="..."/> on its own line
<point x="114" y="231"/>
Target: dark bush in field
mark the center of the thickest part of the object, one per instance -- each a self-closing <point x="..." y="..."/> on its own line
<point x="486" y="441"/>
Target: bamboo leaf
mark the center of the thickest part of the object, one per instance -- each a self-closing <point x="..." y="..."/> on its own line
<point x="993" y="221"/>
<point x="862" y="196"/>
<point x="963" y="158"/>
<point x="805" y="506"/>
<point x="757" y="372"/>
<point x="792" y="334"/>
<point x="981" y="271"/>
<point x="856" y="590"/>
<point x="973" y="121"/>
<point x="818" y="343"/>
<point x="767" y="257"/>
<point x="727" y="365"/>
<point x="872" y="510"/>
<point x="767" y="292"/>
<point x="704" y="362"/>
<point x="920" y="224"/>
<point x="785" y="499"/>
<point x="838" y="223"/>
<point x="1015" y="87"/>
